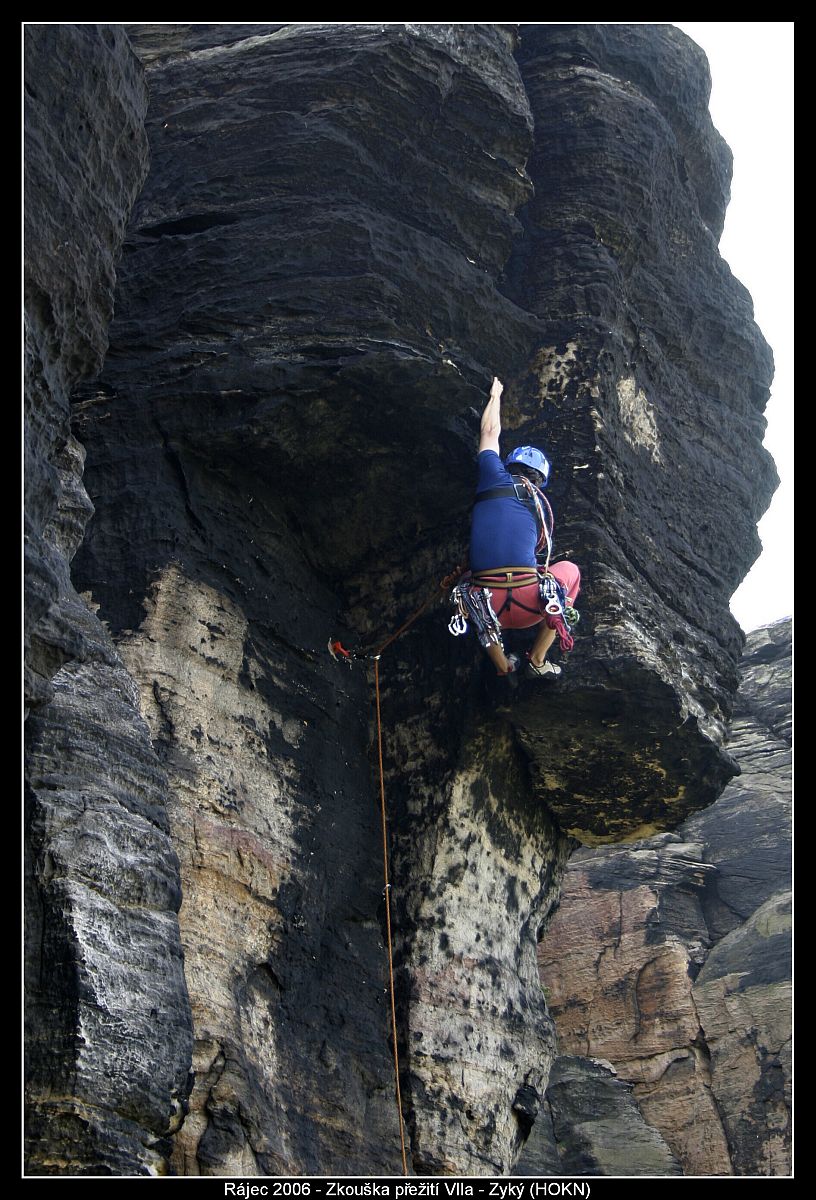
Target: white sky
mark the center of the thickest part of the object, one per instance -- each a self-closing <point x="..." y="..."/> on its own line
<point x="752" y="107"/>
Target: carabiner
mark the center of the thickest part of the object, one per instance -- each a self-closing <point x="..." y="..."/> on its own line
<point x="457" y="625"/>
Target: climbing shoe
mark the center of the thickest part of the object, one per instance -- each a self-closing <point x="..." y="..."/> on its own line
<point x="513" y="664"/>
<point x="547" y="670"/>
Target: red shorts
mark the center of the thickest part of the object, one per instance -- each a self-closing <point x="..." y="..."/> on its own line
<point x="525" y="607"/>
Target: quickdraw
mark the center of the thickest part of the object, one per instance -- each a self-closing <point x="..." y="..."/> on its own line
<point x="458" y="625"/>
<point x="472" y="603"/>
<point x="339" y="653"/>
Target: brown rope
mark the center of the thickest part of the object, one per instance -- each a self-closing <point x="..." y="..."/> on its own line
<point x="443" y="585"/>
<point x="387" y="894"/>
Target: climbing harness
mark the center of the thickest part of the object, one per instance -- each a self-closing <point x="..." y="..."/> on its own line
<point x="472" y="601"/>
<point x="509" y="580"/>
<point x="340" y="654"/>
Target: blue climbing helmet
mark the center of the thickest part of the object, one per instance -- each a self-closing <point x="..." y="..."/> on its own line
<point x="531" y="458"/>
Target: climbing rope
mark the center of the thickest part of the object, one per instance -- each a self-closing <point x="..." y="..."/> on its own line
<point x="444" y="586"/>
<point x="338" y="651"/>
<point x="548" y="533"/>
<point x="387" y="894"/>
<point x="540" y="502"/>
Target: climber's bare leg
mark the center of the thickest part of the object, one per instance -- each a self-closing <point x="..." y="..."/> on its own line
<point x="499" y="659"/>
<point x="541" y="645"/>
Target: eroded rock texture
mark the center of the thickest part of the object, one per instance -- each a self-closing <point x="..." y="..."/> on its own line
<point x="85" y="159"/>
<point x="671" y="958"/>
<point x="346" y="231"/>
<point x="107" y="1018"/>
<point x="590" y="1125"/>
<point x="648" y="354"/>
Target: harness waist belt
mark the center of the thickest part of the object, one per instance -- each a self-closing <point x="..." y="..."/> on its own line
<point x="505" y="577"/>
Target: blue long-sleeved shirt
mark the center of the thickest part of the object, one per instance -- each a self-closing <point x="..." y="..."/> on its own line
<point x="503" y="531"/>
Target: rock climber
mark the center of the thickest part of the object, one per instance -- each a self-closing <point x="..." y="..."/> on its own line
<point x="509" y="531"/>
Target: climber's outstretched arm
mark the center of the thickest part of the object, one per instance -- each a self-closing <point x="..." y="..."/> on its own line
<point x="491" y="419"/>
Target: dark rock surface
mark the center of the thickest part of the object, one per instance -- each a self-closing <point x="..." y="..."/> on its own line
<point x="108" y="1029"/>
<point x="743" y="996"/>
<point x="262" y="424"/>
<point x="748" y="833"/>
<point x="337" y="246"/>
<point x="672" y="958"/>
<point x="107" y="1017"/>
<point x="591" y="1126"/>
<point x="85" y="159"/>
<point x="648" y="355"/>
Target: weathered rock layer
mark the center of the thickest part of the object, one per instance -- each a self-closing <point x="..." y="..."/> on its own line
<point x="85" y="160"/>
<point x="672" y="958"/>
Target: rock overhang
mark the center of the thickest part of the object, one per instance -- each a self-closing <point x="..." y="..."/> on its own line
<point x="616" y="758"/>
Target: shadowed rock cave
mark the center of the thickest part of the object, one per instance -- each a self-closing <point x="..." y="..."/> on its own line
<point x="344" y="233"/>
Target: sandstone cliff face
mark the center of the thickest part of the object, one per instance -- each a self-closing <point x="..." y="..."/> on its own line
<point x="671" y="959"/>
<point x="107" y="1016"/>
<point x="591" y="1125"/>
<point x="644" y="333"/>
<point x="346" y="230"/>
<point x="85" y="160"/>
